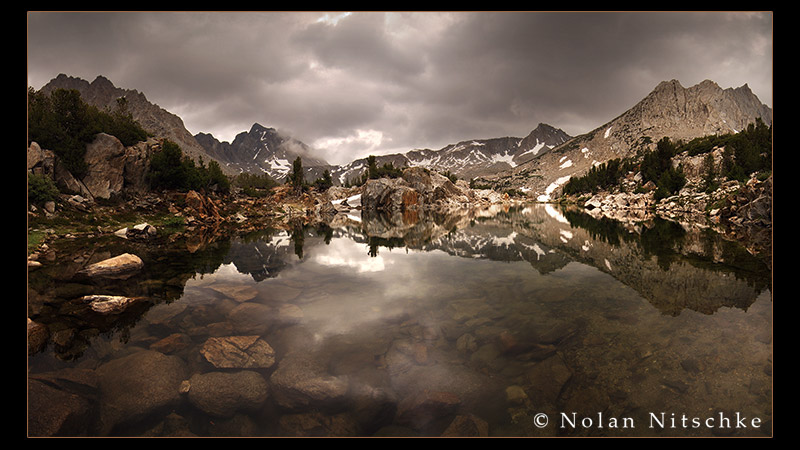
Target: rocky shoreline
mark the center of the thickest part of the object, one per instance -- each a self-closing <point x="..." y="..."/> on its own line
<point x="123" y="192"/>
<point x="739" y="212"/>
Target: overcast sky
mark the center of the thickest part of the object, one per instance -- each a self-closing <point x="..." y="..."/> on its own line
<point x="372" y="82"/>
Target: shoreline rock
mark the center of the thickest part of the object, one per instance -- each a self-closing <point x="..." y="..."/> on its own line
<point x="421" y="189"/>
<point x="122" y="266"/>
<point x="109" y="304"/>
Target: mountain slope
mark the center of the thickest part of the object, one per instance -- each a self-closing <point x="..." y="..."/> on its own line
<point x="102" y="94"/>
<point x="670" y="110"/>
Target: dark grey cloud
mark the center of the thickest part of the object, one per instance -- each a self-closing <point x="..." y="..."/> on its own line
<point x="372" y="82"/>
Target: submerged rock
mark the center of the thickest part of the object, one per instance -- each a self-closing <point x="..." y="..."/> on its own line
<point x="37" y="336"/>
<point x="138" y="386"/>
<point x="420" y="410"/>
<point x="467" y="426"/>
<point x="251" y="318"/>
<point x="238" y="352"/>
<point x="172" y="343"/>
<point x="300" y="381"/>
<point x="58" y="404"/>
<point x="222" y="394"/>
<point x="316" y="424"/>
<point x="239" y="293"/>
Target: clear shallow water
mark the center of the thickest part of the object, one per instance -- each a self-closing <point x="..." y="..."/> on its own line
<point x="529" y="322"/>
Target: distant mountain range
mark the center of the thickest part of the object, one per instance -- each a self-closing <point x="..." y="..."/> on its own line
<point x="264" y="149"/>
<point x="261" y="150"/>
<point x="538" y="163"/>
<point x="467" y="159"/>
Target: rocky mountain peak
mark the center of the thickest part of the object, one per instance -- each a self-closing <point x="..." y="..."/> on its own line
<point x="102" y="94"/>
<point x="102" y="82"/>
<point x="543" y="134"/>
<point x="671" y="84"/>
<point x="258" y="128"/>
<point x="670" y="110"/>
<point x="262" y="150"/>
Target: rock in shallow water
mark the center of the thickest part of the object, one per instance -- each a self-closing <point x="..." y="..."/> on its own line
<point x="37" y="336"/>
<point x="418" y="411"/>
<point x="301" y="380"/>
<point x="122" y="266"/>
<point x="467" y="426"/>
<point x="58" y="404"/>
<point x="251" y="318"/>
<point x="238" y="352"/>
<point x="137" y="387"/>
<point x="315" y="424"/>
<point x="222" y="394"/>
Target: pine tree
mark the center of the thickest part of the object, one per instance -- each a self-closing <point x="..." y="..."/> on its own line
<point x="372" y="168"/>
<point x="325" y="182"/>
<point x="296" y="178"/>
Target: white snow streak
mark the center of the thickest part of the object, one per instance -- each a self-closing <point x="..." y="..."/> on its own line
<point x="553" y="186"/>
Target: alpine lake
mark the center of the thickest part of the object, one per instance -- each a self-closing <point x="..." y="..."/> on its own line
<point x="529" y="321"/>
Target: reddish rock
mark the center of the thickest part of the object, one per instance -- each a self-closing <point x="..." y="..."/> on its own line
<point x="238" y="352"/>
<point x="172" y="343"/>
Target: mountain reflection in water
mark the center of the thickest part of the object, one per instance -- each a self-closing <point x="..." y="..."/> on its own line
<point x="511" y="322"/>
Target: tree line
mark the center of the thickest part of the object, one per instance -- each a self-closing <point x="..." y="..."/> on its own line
<point x="170" y="169"/>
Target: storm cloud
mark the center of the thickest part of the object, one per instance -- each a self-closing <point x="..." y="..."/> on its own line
<point x="351" y="84"/>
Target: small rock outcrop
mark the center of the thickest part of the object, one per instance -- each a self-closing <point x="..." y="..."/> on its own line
<point x="418" y="189"/>
<point x="111" y="169"/>
<point x="201" y="208"/>
<point x="385" y="194"/>
<point x="41" y="162"/>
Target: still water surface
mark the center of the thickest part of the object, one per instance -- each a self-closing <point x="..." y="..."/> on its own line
<point x="522" y="322"/>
